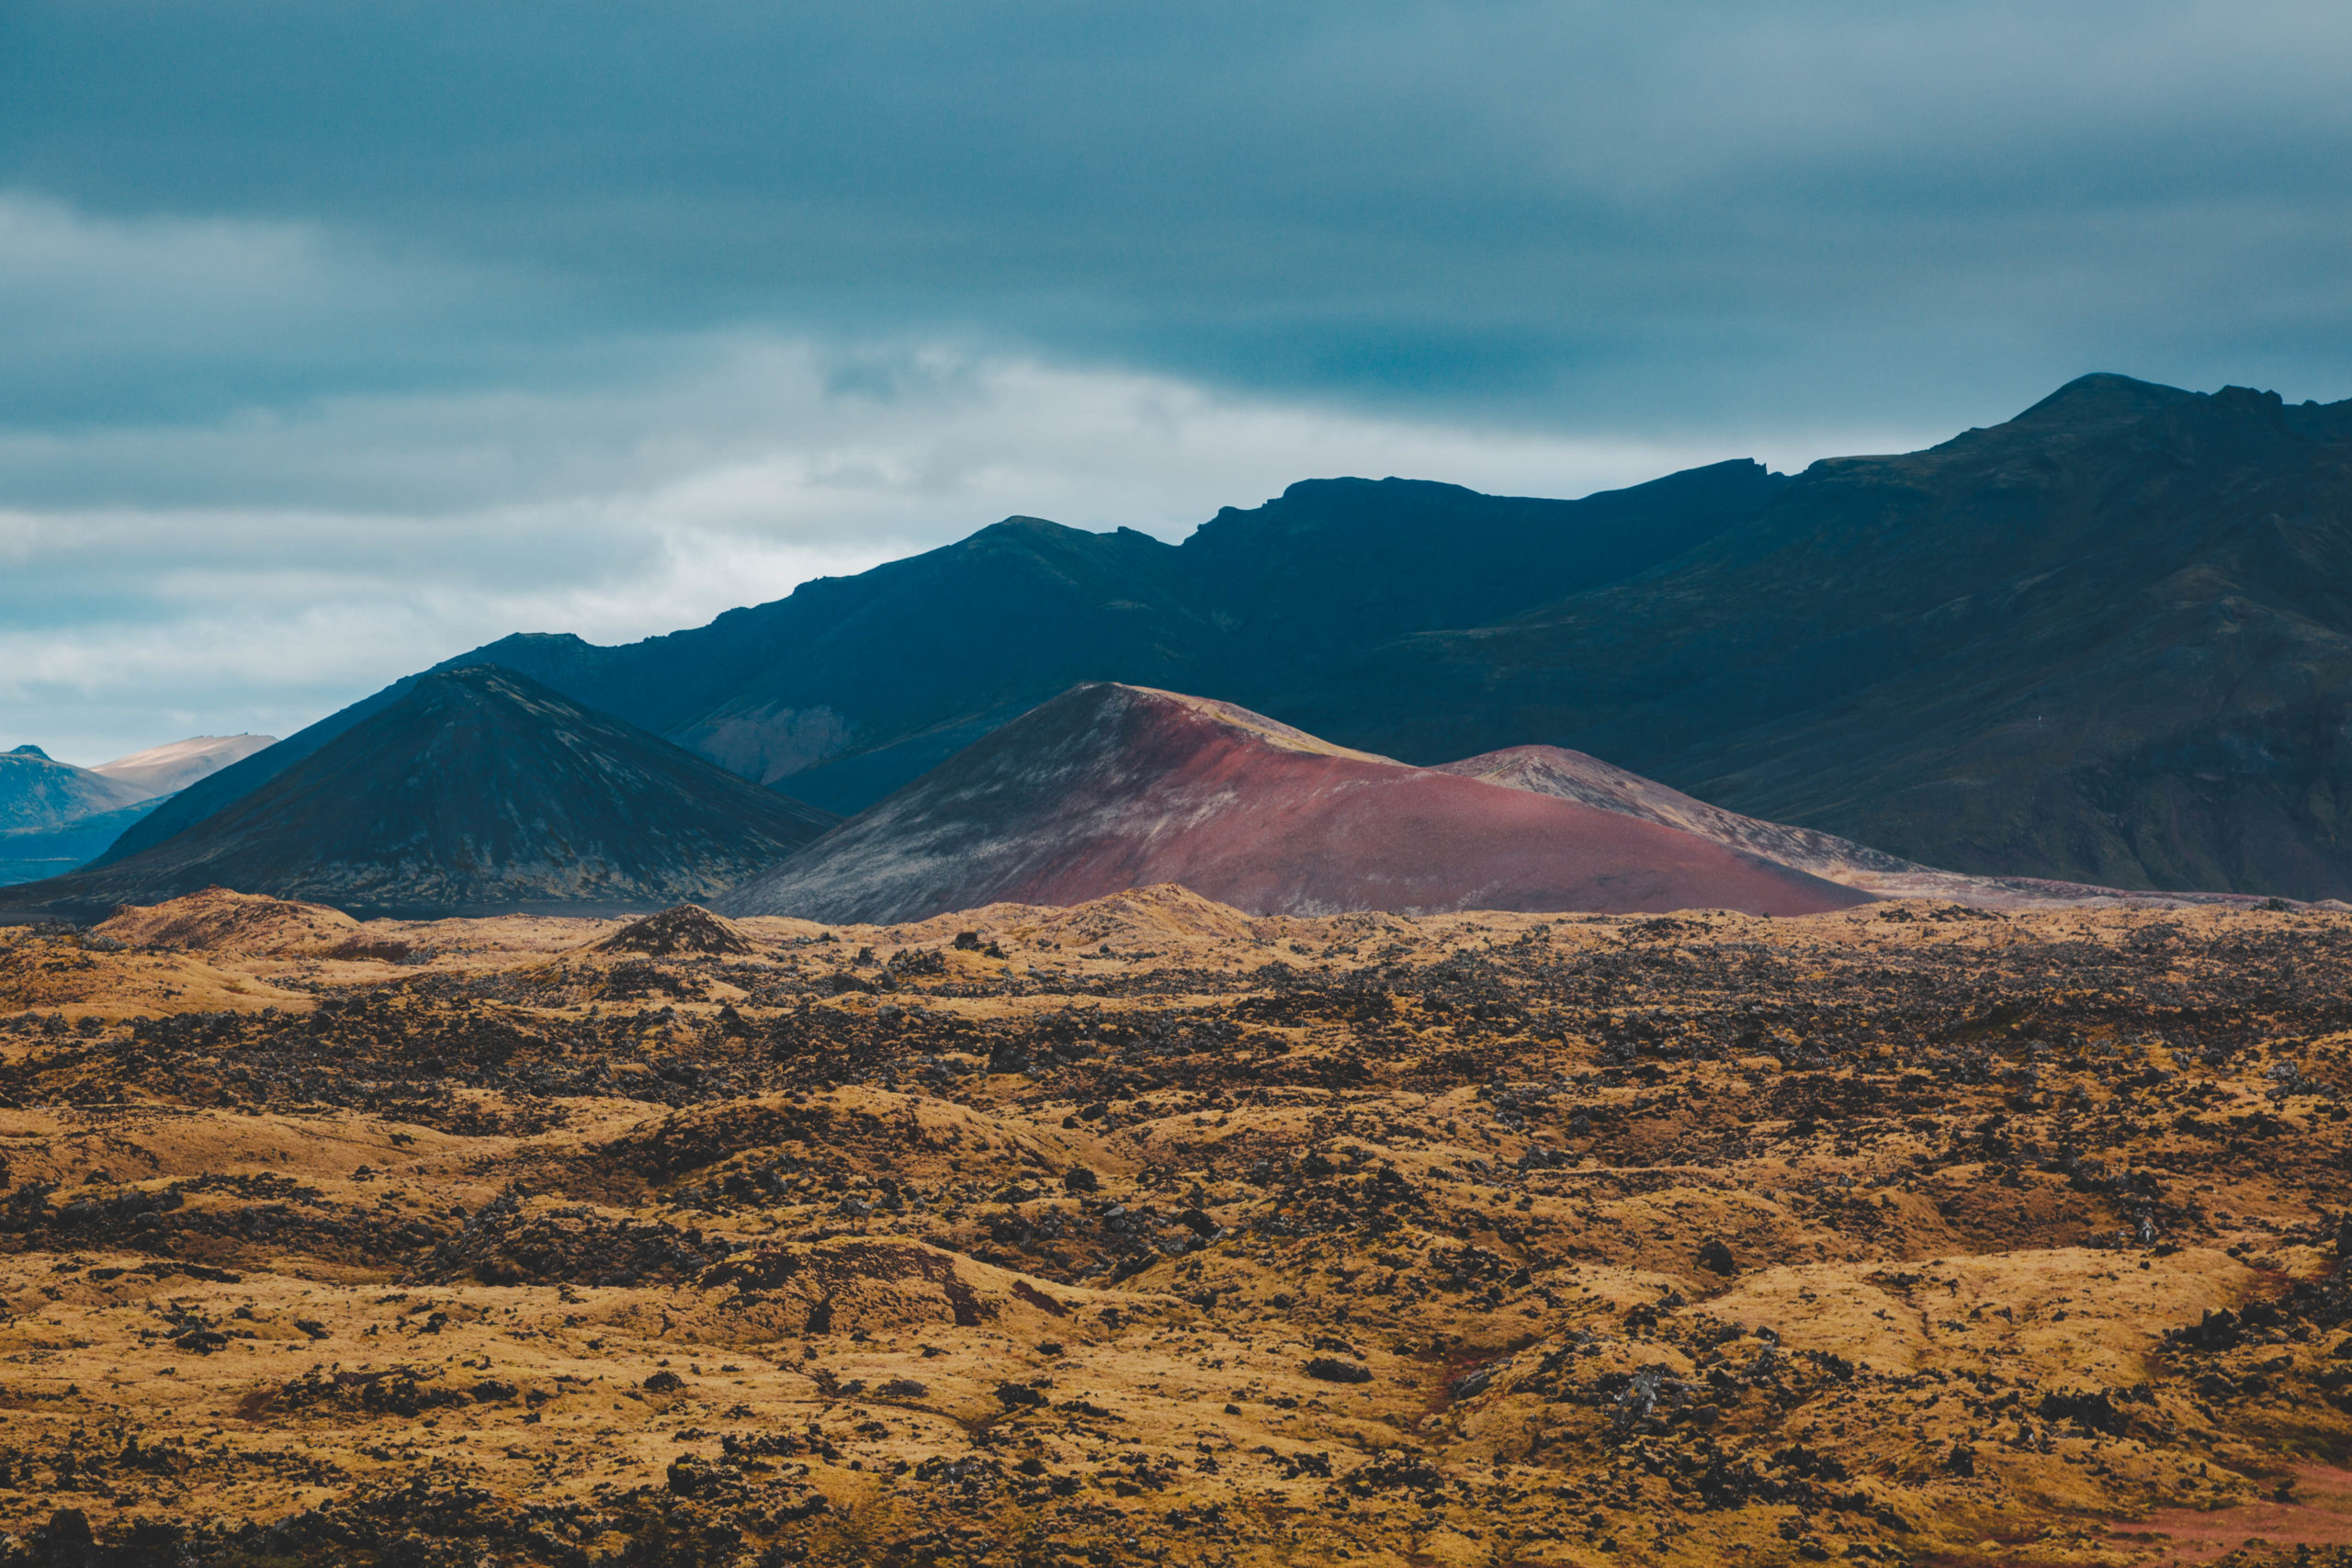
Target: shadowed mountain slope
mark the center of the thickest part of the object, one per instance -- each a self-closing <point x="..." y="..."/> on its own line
<point x="1109" y="787"/>
<point x="241" y="778"/>
<point x="2109" y="640"/>
<point x="477" y="789"/>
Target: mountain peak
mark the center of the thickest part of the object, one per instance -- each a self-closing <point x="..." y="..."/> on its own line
<point x="1352" y="488"/>
<point x="2101" y="398"/>
<point x="1099" y="698"/>
<point x="1021" y="525"/>
<point x="31" y="751"/>
<point x="538" y="647"/>
<point x="476" y="789"/>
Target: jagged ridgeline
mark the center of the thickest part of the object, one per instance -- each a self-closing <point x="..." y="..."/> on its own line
<point x="475" y="790"/>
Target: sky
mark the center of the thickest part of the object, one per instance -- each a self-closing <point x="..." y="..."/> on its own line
<point x="336" y="338"/>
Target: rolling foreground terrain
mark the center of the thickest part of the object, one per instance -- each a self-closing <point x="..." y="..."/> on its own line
<point x="1148" y="1231"/>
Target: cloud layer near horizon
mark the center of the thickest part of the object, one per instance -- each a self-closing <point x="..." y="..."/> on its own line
<point x="342" y="337"/>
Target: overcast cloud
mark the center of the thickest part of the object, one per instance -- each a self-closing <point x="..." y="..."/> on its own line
<point x="343" y="336"/>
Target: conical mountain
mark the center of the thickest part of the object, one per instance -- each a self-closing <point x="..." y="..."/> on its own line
<point x="1109" y="787"/>
<point x="475" y="791"/>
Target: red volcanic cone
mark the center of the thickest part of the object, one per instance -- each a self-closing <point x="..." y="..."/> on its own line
<point x="1109" y="787"/>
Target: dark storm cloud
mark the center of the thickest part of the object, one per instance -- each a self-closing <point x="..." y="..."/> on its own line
<point x="1546" y="210"/>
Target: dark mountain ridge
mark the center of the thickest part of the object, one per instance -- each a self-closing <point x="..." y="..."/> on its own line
<point x="854" y="686"/>
<point x="2109" y="640"/>
<point x="474" y="791"/>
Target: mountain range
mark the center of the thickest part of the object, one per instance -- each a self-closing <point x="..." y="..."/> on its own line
<point x="853" y="686"/>
<point x="2108" y="640"/>
<point x="38" y="792"/>
<point x="478" y="791"/>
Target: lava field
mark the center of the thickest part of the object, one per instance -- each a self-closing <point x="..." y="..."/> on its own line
<point x="1148" y="1231"/>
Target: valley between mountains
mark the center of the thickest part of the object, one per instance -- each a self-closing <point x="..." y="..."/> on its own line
<point x="1147" y="1230"/>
